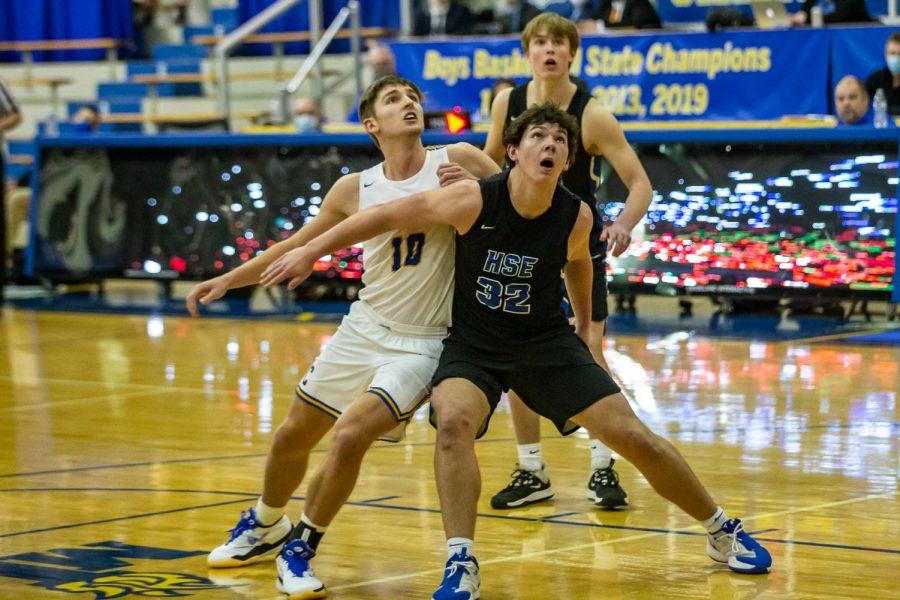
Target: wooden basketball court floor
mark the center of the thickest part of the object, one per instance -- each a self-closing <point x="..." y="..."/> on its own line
<point x="129" y="444"/>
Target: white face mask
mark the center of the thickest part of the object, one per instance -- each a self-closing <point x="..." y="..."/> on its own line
<point x="893" y="64"/>
<point x="306" y="123"/>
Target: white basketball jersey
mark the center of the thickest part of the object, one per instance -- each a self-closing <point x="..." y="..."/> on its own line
<point x="408" y="273"/>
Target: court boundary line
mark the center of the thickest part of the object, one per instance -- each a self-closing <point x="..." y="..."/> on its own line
<point x="552" y="519"/>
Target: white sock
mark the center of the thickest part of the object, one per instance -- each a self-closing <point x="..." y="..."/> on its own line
<point x="601" y="456"/>
<point x="308" y="522"/>
<point x="267" y="515"/>
<point x="715" y="522"/>
<point x="530" y="458"/>
<point x="456" y="544"/>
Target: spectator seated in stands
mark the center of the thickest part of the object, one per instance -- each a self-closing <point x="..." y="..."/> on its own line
<point x="833" y="11"/>
<point x="87" y="119"/>
<point x="443" y="17"/>
<point x="307" y="115"/>
<point x="638" y="14"/>
<point x="888" y="78"/>
<point x="577" y="11"/>
<point x="851" y="102"/>
<point x="381" y="62"/>
<point x="515" y="15"/>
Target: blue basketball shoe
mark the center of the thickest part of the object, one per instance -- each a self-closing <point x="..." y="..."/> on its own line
<point x="461" y="579"/>
<point x="295" y="575"/>
<point x="250" y="542"/>
<point x="734" y="546"/>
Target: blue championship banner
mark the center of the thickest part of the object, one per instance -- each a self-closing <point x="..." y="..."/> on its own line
<point x="747" y="75"/>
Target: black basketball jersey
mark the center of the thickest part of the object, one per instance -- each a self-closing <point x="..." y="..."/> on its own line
<point x="579" y="178"/>
<point x="507" y="270"/>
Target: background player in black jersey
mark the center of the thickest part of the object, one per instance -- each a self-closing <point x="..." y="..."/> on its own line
<point x="515" y="232"/>
<point x="550" y="43"/>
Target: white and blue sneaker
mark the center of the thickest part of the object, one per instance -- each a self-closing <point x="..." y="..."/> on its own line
<point x="295" y="575"/>
<point x="250" y="542"/>
<point x="734" y="546"/>
<point x="461" y="579"/>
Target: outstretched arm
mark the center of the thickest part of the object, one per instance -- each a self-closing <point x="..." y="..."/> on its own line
<point x="603" y="136"/>
<point x="340" y="202"/>
<point x="457" y="206"/>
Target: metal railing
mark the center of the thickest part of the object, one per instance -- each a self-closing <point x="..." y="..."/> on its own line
<point x="224" y="47"/>
<point x="351" y="11"/>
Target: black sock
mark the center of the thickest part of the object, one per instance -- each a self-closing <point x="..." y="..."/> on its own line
<point x="308" y="534"/>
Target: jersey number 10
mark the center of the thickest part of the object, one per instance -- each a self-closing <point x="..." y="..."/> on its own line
<point x="414" y="244"/>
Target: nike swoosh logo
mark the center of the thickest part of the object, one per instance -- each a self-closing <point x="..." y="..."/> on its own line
<point x="365" y="185"/>
<point x="533" y="451"/>
<point x="486" y="227"/>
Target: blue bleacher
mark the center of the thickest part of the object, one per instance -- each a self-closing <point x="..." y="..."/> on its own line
<point x="153" y="67"/>
<point x="22" y="147"/>
<point x="223" y="20"/>
<point x="122" y="90"/>
<point x="173" y="53"/>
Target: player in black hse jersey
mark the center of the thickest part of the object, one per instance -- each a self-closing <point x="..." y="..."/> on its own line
<point x="515" y="231"/>
<point x="550" y="43"/>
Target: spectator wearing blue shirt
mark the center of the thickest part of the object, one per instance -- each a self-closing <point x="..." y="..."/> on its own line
<point x="851" y="102"/>
<point x="575" y="10"/>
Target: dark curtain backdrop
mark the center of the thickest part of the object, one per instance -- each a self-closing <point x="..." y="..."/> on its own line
<point x="25" y="20"/>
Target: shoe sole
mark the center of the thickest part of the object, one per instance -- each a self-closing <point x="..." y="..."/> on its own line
<point x="723" y="559"/>
<point x="308" y="595"/>
<point x="269" y="554"/>
<point x="532" y="498"/>
<point x="231" y="563"/>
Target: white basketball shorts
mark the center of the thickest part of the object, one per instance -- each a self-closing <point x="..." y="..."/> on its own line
<point x="368" y="354"/>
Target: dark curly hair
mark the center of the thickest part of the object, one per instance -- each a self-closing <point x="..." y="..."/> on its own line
<point x="538" y="115"/>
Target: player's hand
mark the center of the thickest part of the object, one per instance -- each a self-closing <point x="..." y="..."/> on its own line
<point x="295" y="265"/>
<point x="204" y="293"/>
<point x="617" y="239"/>
<point x="452" y="172"/>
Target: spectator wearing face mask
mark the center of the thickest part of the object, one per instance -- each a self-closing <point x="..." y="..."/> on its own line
<point x="307" y="115"/>
<point x="888" y="78"/>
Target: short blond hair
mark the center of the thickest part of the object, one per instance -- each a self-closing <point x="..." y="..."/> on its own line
<point x="553" y="25"/>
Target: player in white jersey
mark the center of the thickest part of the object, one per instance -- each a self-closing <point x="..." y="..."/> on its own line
<point x="376" y="369"/>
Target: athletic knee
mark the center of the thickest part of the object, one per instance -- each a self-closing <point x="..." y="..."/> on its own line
<point x="292" y="440"/>
<point x="455" y="426"/>
<point x="638" y="441"/>
<point x="351" y="439"/>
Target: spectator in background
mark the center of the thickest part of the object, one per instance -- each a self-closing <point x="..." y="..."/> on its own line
<point x="851" y="102"/>
<point x="888" y="78"/>
<point x="833" y="11"/>
<point x="499" y="86"/>
<point x="638" y="14"/>
<point x="382" y="61"/>
<point x="443" y="17"/>
<point x="10" y="117"/>
<point x="577" y="11"/>
<point x="516" y="14"/>
<point x="87" y="119"/>
<point x="307" y="115"/>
